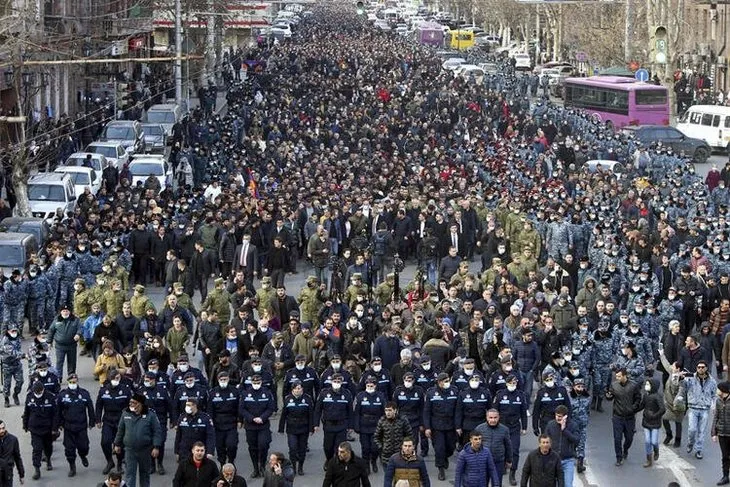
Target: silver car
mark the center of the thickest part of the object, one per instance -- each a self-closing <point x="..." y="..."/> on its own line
<point x="155" y="138"/>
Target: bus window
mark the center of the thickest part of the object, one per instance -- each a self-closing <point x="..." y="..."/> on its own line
<point x="695" y="118"/>
<point x="651" y="97"/>
<point x="727" y="122"/>
<point x="716" y="121"/>
<point x="706" y="119"/>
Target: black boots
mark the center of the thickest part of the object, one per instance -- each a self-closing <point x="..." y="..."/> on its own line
<point x="300" y="470"/>
<point x="512" y="479"/>
<point x="374" y="464"/>
<point x="84" y="462"/>
<point x="7" y="401"/>
<point x="109" y="467"/>
<point x="442" y="473"/>
<point x="16" y="399"/>
<point x="72" y="469"/>
<point x="724" y="480"/>
<point x="49" y="465"/>
<point x="599" y="407"/>
<point x="581" y="466"/>
<point x="594" y="401"/>
<point x="656" y="453"/>
<point x="36" y="473"/>
<point x="648" y="462"/>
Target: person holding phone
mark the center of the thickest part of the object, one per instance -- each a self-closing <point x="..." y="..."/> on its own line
<point x="279" y="472"/>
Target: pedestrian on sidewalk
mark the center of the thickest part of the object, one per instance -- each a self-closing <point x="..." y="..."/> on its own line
<point x="720" y="430"/>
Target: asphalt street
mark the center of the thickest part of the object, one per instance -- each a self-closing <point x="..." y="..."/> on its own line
<point x="673" y="465"/>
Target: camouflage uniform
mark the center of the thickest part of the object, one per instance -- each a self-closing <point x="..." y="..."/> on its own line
<point x="68" y="271"/>
<point x="112" y="301"/>
<point x="39" y="292"/>
<point x="82" y="300"/>
<point x="16" y="294"/>
<point x="310" y="300"/>
<point x="579" y="412"/>
<point x="264" y="296"/>
<point x="219" y="300"/>
<point x="140" y="302"/>
<point x="12" y="366"/>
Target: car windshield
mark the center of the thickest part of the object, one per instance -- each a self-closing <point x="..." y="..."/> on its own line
<point x="11" y="255"/>
<point x="154" y="130"/>
<point x="79" y="162"/>
<point x="45" y="192"/>
<point x="145" y="169"/>
<point x="79" y="178"/>
<point x="106" y="151"/>
<point x="119" y="133"/>
<point x="159" y="116"/>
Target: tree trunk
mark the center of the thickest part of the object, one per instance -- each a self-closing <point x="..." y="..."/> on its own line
<point x="20" y="178"/>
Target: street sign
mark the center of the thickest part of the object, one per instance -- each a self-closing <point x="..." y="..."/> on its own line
<point x="642" y="75"/>
<point x="581" y="56"/>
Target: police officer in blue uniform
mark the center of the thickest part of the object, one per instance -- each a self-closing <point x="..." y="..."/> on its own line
<point x="177" y="379"/>
<point x="512" y="406"/>
<point x="306" y="376"/>
<point x="161" y="377"/>
<point x="49" y="379"/>
<point x="113" y="397"/>
<point x="189" y="390"/>
<point x="192" y="426"/>
<point x="158" y="400"/>
<point x="369" y="408"/>
<point x="425" y="376"/>
<point x="257" y="406"/>
<point x="223" y="404"/>
<point x="549" y="396"/>
<point x="335" y="367"/>
<point x="74" y="414"/>
<point x="297" y="418"/>
<point x="471" y="407"/>
<point x="461" y="378"/>
<point x="409" y="398"/>
<point x="38" y="416"/>
<point x="438" y="419"/>
<point x="383" y="380"/>
<point x="498" y="379"/>
<point x="257" y="369"/>
<point x="334" y="409"/>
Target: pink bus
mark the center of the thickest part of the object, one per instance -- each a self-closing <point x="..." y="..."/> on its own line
<point x="430" y="34"/>
<point x="618" y="100"/>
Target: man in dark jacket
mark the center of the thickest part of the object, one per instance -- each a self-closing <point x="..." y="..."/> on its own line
<point x="140" y="434"/>
<point x="626" y="398"/>
<point x="497" y="438"/>
<point x="406" y="465"/>
<point x="140" y="246"/>
<point x="196" y="471"/>
<point x="564" y="437"/>
<point x="542" y="467"/>
<point x="475" y="464"/>
<point x="390" y="432"/>
<point x="346" y="469"/>
<point x="38" y="415"/>
<point x="10" y="457"/>
<point x="228" y="477"/>
<point x="720" y="429"/>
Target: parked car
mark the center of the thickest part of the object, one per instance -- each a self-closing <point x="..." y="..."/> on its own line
<point x="166" y="114"/>
<point x="698" y="149"/>
<point x="453" y="63"/>
<point x="82" y="178"/>
<point x="78" y="159"/>
<point x="522" y="62"/>
<point x="155" y="138"/>
<point x="128" y="133"/>
<point x="38" y="227"/>
<point x="113" y="151"/>
<point x="148" y="165"/>
<point x="49" y="193"/>
<point x="15" y="248"/>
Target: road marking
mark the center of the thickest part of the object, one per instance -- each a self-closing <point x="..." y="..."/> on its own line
<point x="669" y="460"/>
<point x="587" y="478"/>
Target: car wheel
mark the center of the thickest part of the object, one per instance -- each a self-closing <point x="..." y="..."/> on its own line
<point x="701" y="155"/>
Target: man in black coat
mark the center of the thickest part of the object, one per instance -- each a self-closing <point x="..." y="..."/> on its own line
<point x="200" y="270"/>
<point x="542" y="467"/>
<point x="346" y="469"/>
<point x="228" y="477"/>
<point x="196" y="471"/>
<point x="140" y="246"/>
<point x="10" y="457"/>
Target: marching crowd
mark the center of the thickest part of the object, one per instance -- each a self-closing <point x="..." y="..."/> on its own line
<point x="543" y="290"/>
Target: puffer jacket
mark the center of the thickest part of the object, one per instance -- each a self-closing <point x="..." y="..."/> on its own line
<point x="497" y="440"/>
<point x="721" y="420"/>
<point x="700" y="394"/>
<point x="653" y="406"/>
<point x="475" y="468"/>
<point x="413" y="470"/>
<point x="389" y="434"/>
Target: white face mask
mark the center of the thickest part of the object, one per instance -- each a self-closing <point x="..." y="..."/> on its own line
<point x="190" y="385"/>
<point x="406" y="343"/>
<point x="426" y="366"/>
<point x="256" y="387"/>
<point x="14" y="334"/>
<point x="446" y="385"/>
<point x="549" y="383"/>
<point x="264" y="329"/>
<point x="38" y="396"/>
<point x="223" y="383"/>
<point x="183" y="367"/>
<point x="359" y="313"/>
<point x="474" y="384"/>
<point x="508" y="368"/>
<point x="43" y="373"/>
<point x="574" y="372"/>
<point x="370" y="389"/>
<point x="469" y="372"/>
<point x="256" y="368"/>
<point x="300" y="366"/>
<point x="377" y="368"/>
<point x="336" y="386"/>
<point x="148" y="383"/>
<point x="408" y="384"/>
<point x="156" y="345"/>
<point x="115" y="383"/>
<point x="189" y="409"/>
<point x="647" y="387"/>
<point x="336" y="366"/>
<point x="73" y="387"/>
<point x="511" y="387"/>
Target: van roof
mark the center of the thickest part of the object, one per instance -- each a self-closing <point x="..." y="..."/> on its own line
<point x="713" y="109"/>
<point x="48" y="178"/>
<point x="8" y="238"/>
<point x="162" y="106"/>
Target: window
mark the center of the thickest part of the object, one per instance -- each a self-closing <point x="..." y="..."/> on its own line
<point x="727" y="122"/>
<point x="706" y="119"/>
<point x="695" y="118"/>
<point x="146" y="169"/>
<point x="651" y="97"/>
<point x="45" y="192"/>
<point x="11" y="256"/>
<point x="120" y="133"/>
<point x="716" y="121"/>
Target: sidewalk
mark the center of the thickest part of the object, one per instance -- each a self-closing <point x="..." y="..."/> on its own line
<point x="220" y="103"/>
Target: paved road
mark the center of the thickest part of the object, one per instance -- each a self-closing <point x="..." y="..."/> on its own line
<point x="673" y="464"/>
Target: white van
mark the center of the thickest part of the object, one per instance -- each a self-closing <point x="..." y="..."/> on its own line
<point x="710" y="123"/>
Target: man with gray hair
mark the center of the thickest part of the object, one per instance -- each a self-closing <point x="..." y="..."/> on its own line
<point x="229" y="478"/>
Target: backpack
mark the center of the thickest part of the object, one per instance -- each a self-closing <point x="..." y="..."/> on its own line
<point x="380" y="243"/>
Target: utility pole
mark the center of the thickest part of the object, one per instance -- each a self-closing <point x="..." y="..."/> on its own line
<point x="629" y="28"/>
<point x="178" y="53"/>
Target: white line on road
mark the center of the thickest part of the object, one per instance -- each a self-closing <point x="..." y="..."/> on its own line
<point x="668" y="459"/>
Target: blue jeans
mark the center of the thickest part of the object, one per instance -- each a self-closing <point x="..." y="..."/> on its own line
<point x="137" y="460"/>
<point x="430" y="266"/>
<point x="568" y="466"/>
<point x="529" y="382"/>
<point x="651" y="440"/>
<point x="697" y="428"/>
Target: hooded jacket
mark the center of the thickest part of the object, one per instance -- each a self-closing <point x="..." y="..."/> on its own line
<point x="653" y="406"/>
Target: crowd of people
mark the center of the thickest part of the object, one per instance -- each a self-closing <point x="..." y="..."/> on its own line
<point x="542" y="289"/>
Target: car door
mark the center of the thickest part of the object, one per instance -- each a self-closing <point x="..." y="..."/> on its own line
<point x="673" y="138"/>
